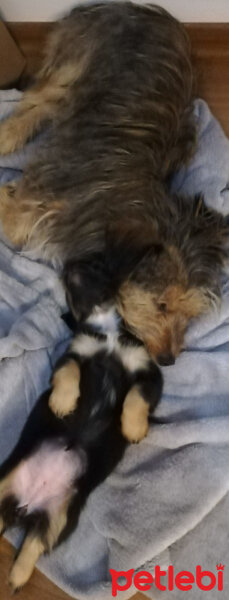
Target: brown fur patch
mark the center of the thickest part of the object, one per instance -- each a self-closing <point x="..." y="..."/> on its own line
<point x="38" y="105"/>
<point x="20" y="215"/>
<point x="134" y="419"/>
<point x="66" y="380"/>
<point x="160" y="318"/>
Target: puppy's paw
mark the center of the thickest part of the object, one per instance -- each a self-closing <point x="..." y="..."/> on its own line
<point x="66" y="391"/>
<point x="63" y="402"/>
<point x="134" y="430"/>
<point x="17" y="578"/>
<point x="25" y="563"/>
<point x="134" y="419"/>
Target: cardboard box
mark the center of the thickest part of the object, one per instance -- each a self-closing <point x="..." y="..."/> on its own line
<point x="12" y="61"/>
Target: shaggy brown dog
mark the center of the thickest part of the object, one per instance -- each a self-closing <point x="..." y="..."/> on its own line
<point x="116" y="91"/>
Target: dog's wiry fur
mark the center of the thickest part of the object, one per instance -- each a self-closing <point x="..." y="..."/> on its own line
<point x="116" y="91"/>
<point x="177" y="280"/>
<point x="116" y="87"/>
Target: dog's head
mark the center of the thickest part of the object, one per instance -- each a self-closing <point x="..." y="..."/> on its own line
<point x="176" y="280"/>
<point x="157" y="303"/>
<point x="161" y="277"/>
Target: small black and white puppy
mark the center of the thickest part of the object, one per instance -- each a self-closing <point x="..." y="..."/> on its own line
<point x="102" y="393"/>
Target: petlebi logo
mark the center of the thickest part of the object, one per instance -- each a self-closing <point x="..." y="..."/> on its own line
<point x="168" y="580"/>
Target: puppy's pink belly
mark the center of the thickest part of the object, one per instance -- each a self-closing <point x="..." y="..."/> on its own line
<point x="43" y="481"/>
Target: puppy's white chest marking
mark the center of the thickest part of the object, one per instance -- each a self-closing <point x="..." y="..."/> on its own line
<point x="133" y="358"/>
<point x="87" y="345"/>
<point x="106" y="322"/>
<point x="42" y="481"/>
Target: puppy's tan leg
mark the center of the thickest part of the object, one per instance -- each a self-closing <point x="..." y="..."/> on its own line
<point x="57" y="524"/>
<point x="33" y="547"/>
<point x="38" y="105"/>
<point x="24" y="565"/>
<point x="66" y="389"/>
<point x="134" y="418"/>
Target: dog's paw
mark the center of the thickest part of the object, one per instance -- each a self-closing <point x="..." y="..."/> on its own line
<point x="10" y="136"/>
<point x="134" y="419"/>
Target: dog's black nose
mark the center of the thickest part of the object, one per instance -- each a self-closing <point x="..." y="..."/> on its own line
<point x="166" y="359"/>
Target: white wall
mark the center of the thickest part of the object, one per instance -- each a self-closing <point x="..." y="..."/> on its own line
<point x="45" y="10"/>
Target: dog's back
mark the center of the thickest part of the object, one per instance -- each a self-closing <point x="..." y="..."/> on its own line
<point x="122" y="121"/>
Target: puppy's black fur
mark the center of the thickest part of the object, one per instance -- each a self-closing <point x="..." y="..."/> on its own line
<point x="99" y="435"/>
<point x="92" y="432"/>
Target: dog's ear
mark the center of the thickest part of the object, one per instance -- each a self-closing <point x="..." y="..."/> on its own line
<point x="86" y="283"/>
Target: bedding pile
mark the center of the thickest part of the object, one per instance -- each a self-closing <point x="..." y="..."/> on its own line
<point x="167" y="503"/>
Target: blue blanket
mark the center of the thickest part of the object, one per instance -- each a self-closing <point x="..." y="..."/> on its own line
<point x="167" y="502"/>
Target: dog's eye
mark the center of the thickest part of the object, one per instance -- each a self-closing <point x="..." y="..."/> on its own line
<point x="162" y="306"/>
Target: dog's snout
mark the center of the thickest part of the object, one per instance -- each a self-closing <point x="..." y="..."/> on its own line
<point x="166" y="359"/>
